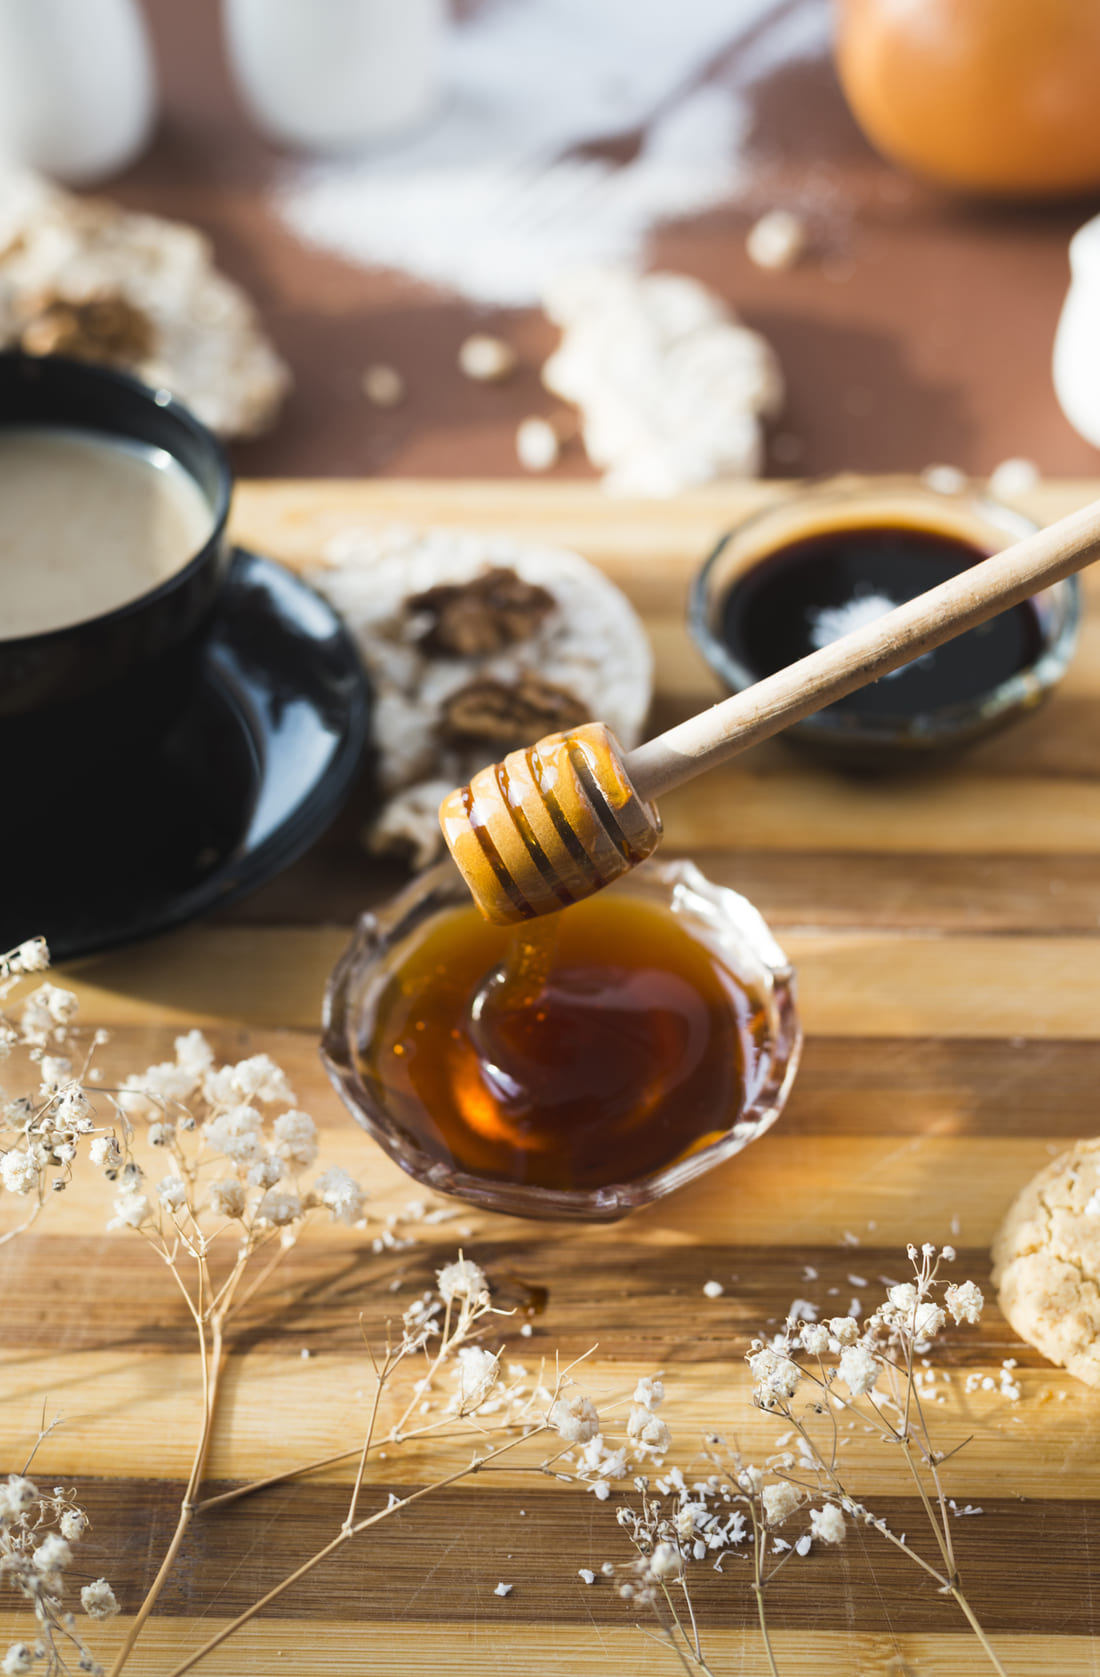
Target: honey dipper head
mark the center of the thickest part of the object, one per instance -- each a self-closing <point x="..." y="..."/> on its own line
<point x="551" y="824"/>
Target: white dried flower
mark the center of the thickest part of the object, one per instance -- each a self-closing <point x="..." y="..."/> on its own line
<point x="478" y="1373"/>
<point x="194" y="1054"/>
<point x="486" y="359"/>
<point x="859" y="1369"/>
<point x="146" y="1094"/>
<point x="73" y="1524"/>
<point x="462" y="1280"/>
<point x="132" y="1209"/>
<point x="780" y="1502"/>
<point x="160" y="1135"/>
<point x="928" y="1320"/>
<point x="751" y="1480"/>
<point x="279" y="1207"/>
<point x="964" y="1302"/>
<point x="814" y="1338"/>
<point x="18" y="1660"/>
<point x="18" y="1172"/>
<point x="227" y="1198"/>
<point x="17" y="1496"/>
<point x="105" y="1151"/>
<point x="338" y="1190"/>
<point x="62" y="1004"/>
<point x="296" y="1138"/>
<point x="52" y="1555"/>
<point x="903" y="1298"/>
<point x="74" y="1110"/>
<point x="827" y="1524"/>
<point x="774" y="1376"/>
<point x="236" y="1133"/>
<point x="649" y="1392"/>
<point x="55" y="1069"/>
<point x="844" y="1329"/>
<point x="32" y="956"/>
<point x="254" y="1079"/>
<point x="575" y="1418"/>
<point x="172" y="1192"/>
<point x="666" y="1562"/>
<point x="264" y="1172"/>
<point x="98" y="1600"/>
<point x="647" y="1431"/>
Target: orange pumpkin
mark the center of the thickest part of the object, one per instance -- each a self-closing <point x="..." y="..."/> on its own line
<point x="987" y="96"/>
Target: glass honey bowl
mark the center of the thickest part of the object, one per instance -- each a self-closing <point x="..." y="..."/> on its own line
<point x="660" y="1039"/>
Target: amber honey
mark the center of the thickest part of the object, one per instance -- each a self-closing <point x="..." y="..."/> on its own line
<point x="617" y="1044"/>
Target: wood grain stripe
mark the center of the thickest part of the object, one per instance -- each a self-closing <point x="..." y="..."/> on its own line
<point x="492" y="1643"/>
<point x="455" y="1546"/>
<point x="889" y="984"/>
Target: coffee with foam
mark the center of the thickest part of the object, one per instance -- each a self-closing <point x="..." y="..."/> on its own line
<point x="89" y="522"/>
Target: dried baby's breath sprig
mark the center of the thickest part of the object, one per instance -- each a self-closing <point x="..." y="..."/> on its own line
<point x="457" y="1310"/>
<point x="43" y="1129"/>
<point x="239" y="1178"/>
<point x="811" y="1372"/>
<point x="38" y="1529"/>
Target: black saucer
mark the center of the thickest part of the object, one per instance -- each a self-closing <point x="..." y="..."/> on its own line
<point x="257" y="769"/>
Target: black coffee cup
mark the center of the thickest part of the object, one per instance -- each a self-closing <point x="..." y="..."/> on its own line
<point x="94" y="695"/>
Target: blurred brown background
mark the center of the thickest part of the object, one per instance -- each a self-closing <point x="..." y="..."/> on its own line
<point x="919" y="330"/>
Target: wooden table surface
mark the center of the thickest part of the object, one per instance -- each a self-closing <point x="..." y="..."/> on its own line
<point x="946" y="932"/>
<point x="919" y="329"/>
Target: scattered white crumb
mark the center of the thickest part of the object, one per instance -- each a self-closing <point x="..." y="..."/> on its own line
<point x="1013" y="477"/>
<point x="587" y="1574"/>
<point x="777" y="240"/>
<point x="503" y="1589"/>
<point x="305" y="1353"/>
<point x="943" y="480"/>
<point x="537" y="446"/>
<point x="713" y="1289"/>
<point x="526" y="1331"/>
<point x="809" y="1273"/>
<point x="959" y="1513"/>
<point x="857" y="1281"/>
<point x="802" y="1310"/>
<point x="383" y="386"/>
<point x="849" y="1239"/>
<point x="485" y="359"/>
<point x="804" y="1545"/>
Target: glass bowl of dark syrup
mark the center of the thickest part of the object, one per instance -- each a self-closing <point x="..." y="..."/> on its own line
<point x="830" y="558"/>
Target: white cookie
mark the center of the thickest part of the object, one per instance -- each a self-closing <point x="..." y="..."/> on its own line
<point x="591" y="644"/>
<point x="171" y="317"/>
<point x="1046" y="1261"/>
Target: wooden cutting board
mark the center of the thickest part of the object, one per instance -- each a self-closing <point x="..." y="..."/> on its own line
<point x="947" y="937"/>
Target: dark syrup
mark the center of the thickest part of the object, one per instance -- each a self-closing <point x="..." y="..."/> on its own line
<point x="629" y="1043"/>
<point x="768" y="617"/>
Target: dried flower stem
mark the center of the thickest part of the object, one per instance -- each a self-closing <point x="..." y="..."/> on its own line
<point x="344" y="1535"/>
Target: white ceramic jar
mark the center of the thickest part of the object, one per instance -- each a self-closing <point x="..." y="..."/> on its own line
<point x="331" y="75"/>
<point x="77" y="89"/>
<point x="1077" y="341"/>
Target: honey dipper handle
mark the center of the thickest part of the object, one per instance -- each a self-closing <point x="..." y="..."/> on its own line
<point x="991" y="586"/>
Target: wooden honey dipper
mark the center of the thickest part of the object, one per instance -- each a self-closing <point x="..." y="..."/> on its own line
<point x="563" y="818"/>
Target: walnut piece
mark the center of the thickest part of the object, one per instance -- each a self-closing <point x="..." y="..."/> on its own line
<point x="106" y="328"/>
<point x="509" y="714"/>
<point x="475" y="619"/>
